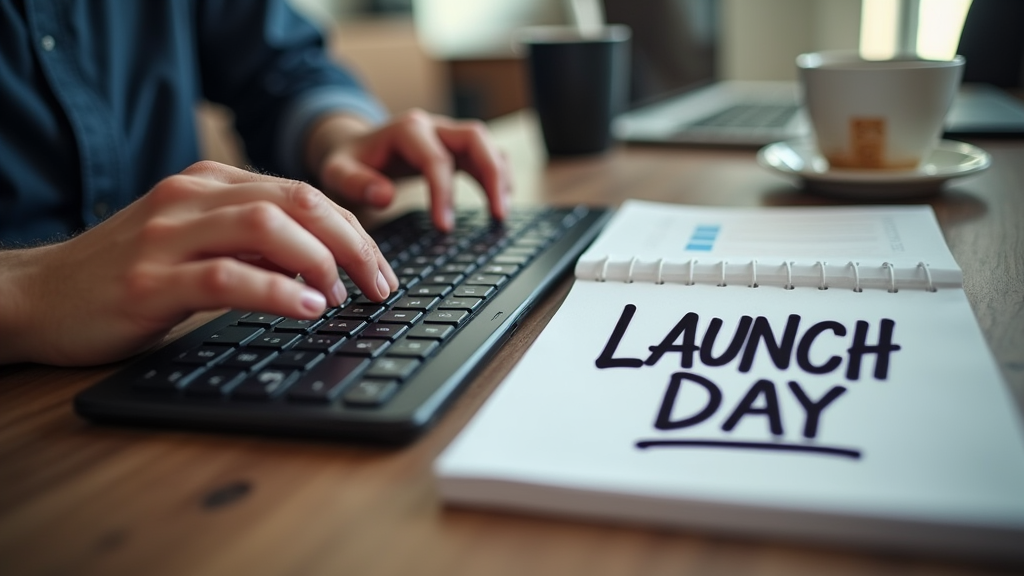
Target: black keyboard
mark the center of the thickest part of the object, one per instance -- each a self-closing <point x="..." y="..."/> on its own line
<point x="365" y="370"/>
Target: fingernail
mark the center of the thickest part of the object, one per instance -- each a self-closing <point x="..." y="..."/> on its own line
<point x="313" y="301"/>
<point x="449" y="220"/>
<point x="382" y="285"/>
<point x="339" y="293"/>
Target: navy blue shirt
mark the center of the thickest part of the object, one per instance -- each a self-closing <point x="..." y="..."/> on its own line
<point x="98" y="99"/>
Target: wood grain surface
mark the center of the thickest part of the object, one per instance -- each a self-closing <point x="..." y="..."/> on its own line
<point x="77" y="498"/>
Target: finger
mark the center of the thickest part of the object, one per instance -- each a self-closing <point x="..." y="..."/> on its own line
<point x="469" y="140"/>
<point x="256" y="228"/>
<point x="228" y="283"/>
<point x="227" y="174"/>
<point x="352" y="180"/>
<point x="418" y="143"/>
<point x="353" y="249"/>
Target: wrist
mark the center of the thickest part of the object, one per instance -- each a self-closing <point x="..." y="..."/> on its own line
<point x="17" y="272"/>
<point x="328" y="134"/>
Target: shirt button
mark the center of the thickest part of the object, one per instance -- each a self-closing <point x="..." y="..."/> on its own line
<point x="48" y="43"/>
<point x="101" y="209"/>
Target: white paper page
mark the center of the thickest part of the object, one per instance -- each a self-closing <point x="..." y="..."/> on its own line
<point x="902" y="235"/>
<point x="936" y="439"/>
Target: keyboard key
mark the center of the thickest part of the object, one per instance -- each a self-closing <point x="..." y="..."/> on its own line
<point x="385" y="331"/>
<point x="168" y="379"/>
<point x="407" y="317"/>
<point x="506" y="269"/>
<point x="341" y="326"/>
<point x="259" y="319"/>
<point x="529" y="240"/>
<point x="431" y="331"/>
<point x="449" y="279"/>
<point x="265" y="384"/>
<point x="406" y="282"/>
<point x="453" y="317"/>
<point x="460" y="304"/>
<point x="275" y="340"/>
<point x="413" y="348"/>
<point x="462" y="268"/>
<point x="299" y="359"/>
<point x="463" y="258"/>
<point x="486" y="280"/>
<point x="422" y="303"/>
<point x="474" y="291"/>
<point x="366" y="347"/>
<point x="329" y="378"/>
<point x="370" y="393"/>
<point x="415" y="270"/>
<point x="364" y="301"/>
<point x="214" y="382"/>
<point x="393" y="368"/>
<point x="234" y="335"/>
<point x="294" y="325"/>
<point x="439" y="251"/>
<point x="482" y="250"/>
<point x="250" y="359"/>
<point x="320" y="342"/>
<point x="204" y="355"/>
<point x="430" y="290"/>
<point x="515" y="259"/>
<point x="521" y="250"/>
<point x="367" y="312"/>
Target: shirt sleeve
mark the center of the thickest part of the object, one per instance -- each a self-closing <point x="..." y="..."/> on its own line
<point x="268" y="64"/>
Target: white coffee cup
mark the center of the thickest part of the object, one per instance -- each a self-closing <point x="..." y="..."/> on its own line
<point x="877" y="114"/>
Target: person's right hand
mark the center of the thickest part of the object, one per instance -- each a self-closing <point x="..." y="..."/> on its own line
<point x="211" y="237"/>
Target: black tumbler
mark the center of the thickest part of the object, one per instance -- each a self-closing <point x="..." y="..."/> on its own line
<point x="579" y="85"/>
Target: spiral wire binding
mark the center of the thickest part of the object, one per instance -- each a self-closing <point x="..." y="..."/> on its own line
<point x="927" y="276"/>
<point x="856" y="276"/>
<point x="629" y="272"/>
<point x="659" y="275"/>
<point x="603" y="272"/>
<point x="892" y="276"/>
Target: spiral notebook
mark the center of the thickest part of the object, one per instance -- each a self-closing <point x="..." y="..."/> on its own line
<point x="806" y="373"/>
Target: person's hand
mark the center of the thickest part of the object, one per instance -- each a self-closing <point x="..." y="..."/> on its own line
<point x="355" y="163"/>
<point x="211" y="237"/>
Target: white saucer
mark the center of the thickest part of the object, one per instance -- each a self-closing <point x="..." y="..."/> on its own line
<point x="800" y="158"/>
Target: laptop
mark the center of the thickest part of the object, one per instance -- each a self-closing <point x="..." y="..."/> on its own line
<point x="676" y="97"/>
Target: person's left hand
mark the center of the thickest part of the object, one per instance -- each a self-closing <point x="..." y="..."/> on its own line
<point x="354" y="162"/>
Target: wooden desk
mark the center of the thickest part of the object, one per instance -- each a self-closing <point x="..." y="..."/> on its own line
<point x="76" y="498"/>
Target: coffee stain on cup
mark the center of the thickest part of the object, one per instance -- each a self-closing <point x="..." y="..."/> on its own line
<point x="867" y="147"/>
<point x="867" y="142"/>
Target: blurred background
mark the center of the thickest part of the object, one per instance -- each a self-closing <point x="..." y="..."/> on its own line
<point x="457" y="57"/>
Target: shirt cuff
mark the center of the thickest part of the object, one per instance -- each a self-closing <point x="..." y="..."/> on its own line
<point x="307" y="108"/>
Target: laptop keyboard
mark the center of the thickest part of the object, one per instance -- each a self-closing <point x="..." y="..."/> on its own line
<point x="749" y="116"/>
<point x="378" y="371"/>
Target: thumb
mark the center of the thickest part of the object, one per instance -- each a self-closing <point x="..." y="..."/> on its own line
<point x="351" y="180"/>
